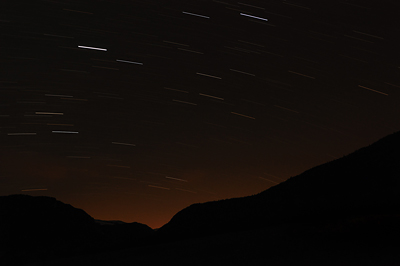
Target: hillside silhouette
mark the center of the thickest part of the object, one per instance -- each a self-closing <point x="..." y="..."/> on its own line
<point x="363" y="186"/>
<point x="344" y="211"/>
<point x="41" y="228"/>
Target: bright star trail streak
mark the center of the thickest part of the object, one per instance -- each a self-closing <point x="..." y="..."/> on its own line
<point x="34" y="189"/>
<point x="131" y="62"/>
<point x="67" y="125"/>
<point x="65" y="132"/>
<point x="268" y="180"/>
<point x="174" y="178"/>
<point x="206" y="95"/>
<point x="165" y="188"/>
<point x="21" y="134"/>
<point x="242" y="72"/>
<point x="197" y="15"/>
<point x="374" y="36"/>
<point x="184" y="102"/>
<point x="250" y="16"/>
<point x="191" y="51"/>
<point x="48" y="113"/>
<point x="243" y="115"/>
<point x="201" y="74"/>
<point x="181" y="189"/>
<point x="56" y="95"/>
<point x="175" y="43"/>
<point x="251" y="6"/>
<point x="286" y="109"/>
<point x="120" y="166"/>
<point x="121" y="143"/>
<point x="297" y="73"/>
<point x="175" y="90"/>
<point x="92" y="48"/>
<point x="373" y="90"/>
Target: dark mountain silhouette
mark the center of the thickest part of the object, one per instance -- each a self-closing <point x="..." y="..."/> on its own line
<point x="360" y="188"/>
<point x="112" y="222"/>
<point x="42" y="228"/>
<point x="345" y="212"/>
<point x="34" y="228"/>
<point x="127" y="234"/>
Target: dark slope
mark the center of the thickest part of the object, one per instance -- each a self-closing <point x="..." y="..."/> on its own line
<point x="36" y="228"/>
<point x="42" y="228"/>
<point x="362" y="186"/>
<point x="345" y="212"/>
<point x="128" y="234"/>
<point x="270" y="246"/>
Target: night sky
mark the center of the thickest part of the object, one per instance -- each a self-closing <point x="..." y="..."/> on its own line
<point x="133" y="110"/>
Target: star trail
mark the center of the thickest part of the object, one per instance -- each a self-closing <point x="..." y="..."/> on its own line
<point x="133" y="110"/>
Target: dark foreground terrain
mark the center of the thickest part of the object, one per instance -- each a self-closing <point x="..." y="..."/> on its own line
<point x="345" y="212"/>
<point x="42" y="228"/>
<point x="285" y="245"/>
